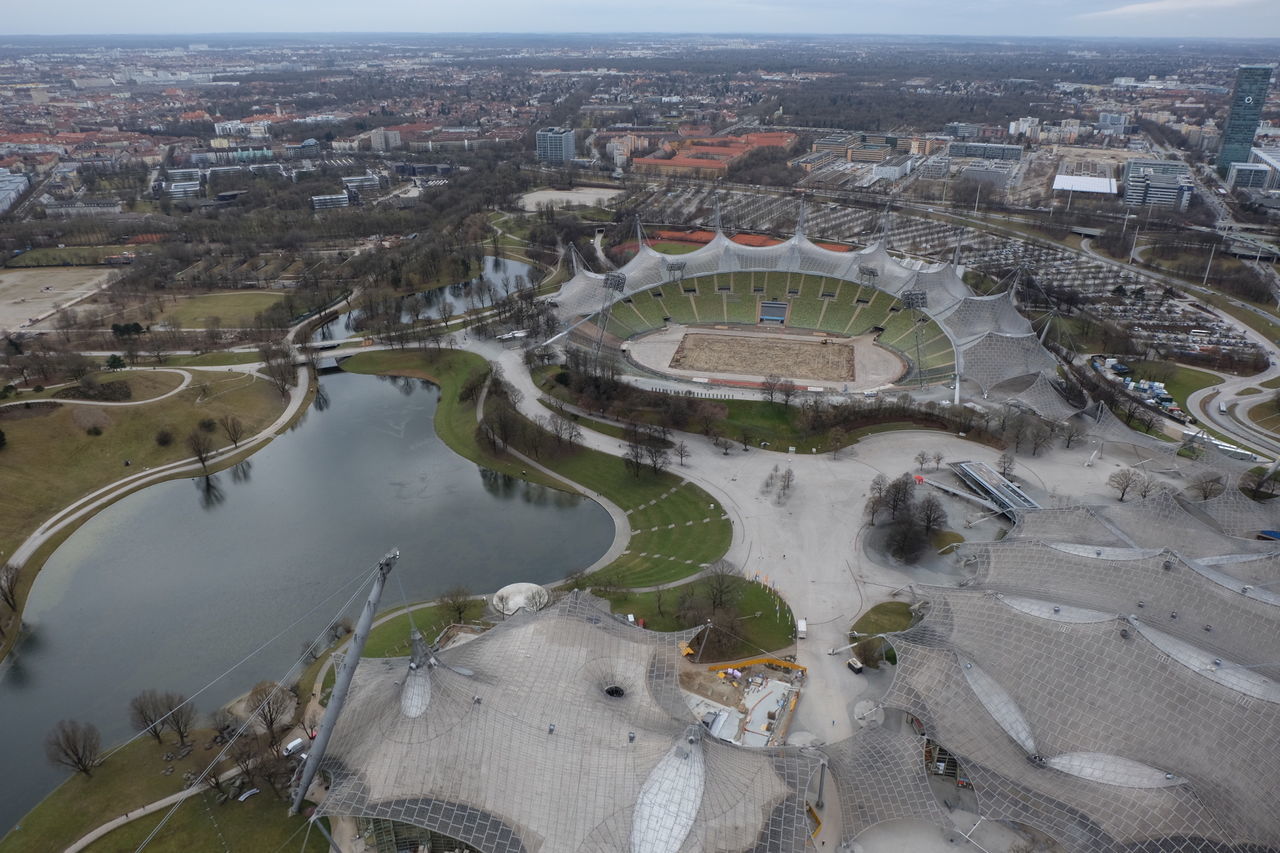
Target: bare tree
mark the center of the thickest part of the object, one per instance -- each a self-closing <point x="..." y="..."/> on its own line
<point x="937" y="459"/>
<point x="537" y="598"/>
<point x="234" y="429"/>
<point x="1206" y="485"/>
<point x="278" y="366"/>
<point x="1123" y="481"/>
<point x="682" y="452"/>
<point x="769" y="387"/>
<point x="720" y="584"/>
<point x="9" y="575"/>
<point x="922" y="459"/>
<point x="145" y="711"/>
<point x="1146" y="486"/>
<point x="899" y="495"/>
<point x="457" y="602"/>
<point x="1005" y="464"/>
<point x="269" y="703"/>
<point x="787" y="389"/>
<point x="179" y="714"/>
<point x="930" y="514"/>
<point x="201" y="447"/>
<point x="1070" y="434"/>
<point x="74" y="744"/>
<point x="657" y="456"/>
<point x="1040" y="436"/>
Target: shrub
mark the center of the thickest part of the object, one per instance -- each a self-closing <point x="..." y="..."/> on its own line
<point x="164" y="437"/>
<point x="94" y="430"/>
<point x="208" y="424"/>
<point x="38" y="388"/>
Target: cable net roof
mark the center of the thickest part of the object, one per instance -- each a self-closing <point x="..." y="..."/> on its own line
<point x="881" y="776"/>
<point x="974" y="316"/>
<point x="995" y="358"/>
<point x="1198" y="605"/>
<point x="992" y="341"/>
<point x="467" y="748"/>
<point x="1105" y="741"/>
<point x="1043" y="398"/>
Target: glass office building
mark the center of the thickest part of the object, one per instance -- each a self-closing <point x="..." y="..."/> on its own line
<point x="1247" y="99"/>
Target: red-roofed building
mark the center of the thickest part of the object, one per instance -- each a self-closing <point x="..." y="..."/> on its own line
<point x="709" y="156"/>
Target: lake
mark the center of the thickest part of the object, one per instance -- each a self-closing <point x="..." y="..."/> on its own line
<point x="171" y="586"/>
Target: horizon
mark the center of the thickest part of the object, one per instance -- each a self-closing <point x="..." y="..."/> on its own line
<point x="1162" y="19"/>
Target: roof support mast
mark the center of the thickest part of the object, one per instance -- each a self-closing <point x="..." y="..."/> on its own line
<point x="343" y="681"/>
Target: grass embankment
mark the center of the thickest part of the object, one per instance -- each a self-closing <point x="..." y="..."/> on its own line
<point x="143" y="384"/>
<point x="50" y="459"/>
<point x="392" y="638"/>
<point x="774" y="426"/>
<point x="232" y="309"/>
<point x="766" y="623"/>
<point x="887" y="617"/>
<point x="128" y="779"/>
<point x="202" y="823"/>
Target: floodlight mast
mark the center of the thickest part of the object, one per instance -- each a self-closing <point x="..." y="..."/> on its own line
<point x="614" y="284"/>
<point x="343" y="682"/>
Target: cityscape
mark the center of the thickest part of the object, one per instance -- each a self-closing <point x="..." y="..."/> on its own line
<point x="567" y="438"/>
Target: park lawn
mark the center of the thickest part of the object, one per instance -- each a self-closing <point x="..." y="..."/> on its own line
<point x="233" y="308"/>
<point x="127" y="780"/>
<point x="1184" y="381"/>
<point x="143" y="384"/>
<point x="1266" y="415"/>
<point x="391" y="638"/>
<point x="766" y="624"/>
<point x="202" y="823"/>
<point x="211" y="359"/>
<point x="455" y="421"/>
<point x="50" y="460"/>
<point x="1247" y="392"/>
<point x="887" y="617"/>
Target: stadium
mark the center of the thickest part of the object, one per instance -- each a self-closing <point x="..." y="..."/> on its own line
<point x="794" y="296"/>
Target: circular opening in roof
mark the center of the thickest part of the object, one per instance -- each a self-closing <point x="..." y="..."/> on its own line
<point x="615" y="691"/>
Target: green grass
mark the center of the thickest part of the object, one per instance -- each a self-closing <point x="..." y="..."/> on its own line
<point x="212" y="359"/>
<point x="884" y="618"/>
<point x="127" y="780"/>
<point x="233" y="308"/>
<point x="1248" y="392"/>
<point x="1181" y="384"/>
<point x="770" y="631"/>
<point x="75" y="256"/>
<point x="1273" y="384"/>
<point x="203" y="824"/>
<point x="1266" y="415"/>
<point x="391" y="638"/>
<point x="670" y="247"/>
<point x="940" y="539"/>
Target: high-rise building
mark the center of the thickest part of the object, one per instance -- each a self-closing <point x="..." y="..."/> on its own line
<point x="1246" y="112"/>
<point x="1160" y="183"/>
<point x="556" y="145"/>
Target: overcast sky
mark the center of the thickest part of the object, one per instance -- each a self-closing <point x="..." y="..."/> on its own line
<point x="1166" y="18"/>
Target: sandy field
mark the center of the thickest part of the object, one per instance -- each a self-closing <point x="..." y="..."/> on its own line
<point x="586" y="196"/>
<point x="827" y="359"/>
<point x="27" y="294"/>
<point x="751" y="353"/>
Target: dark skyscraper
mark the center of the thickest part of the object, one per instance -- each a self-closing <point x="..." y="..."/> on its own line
<point x="1246" y="111"/>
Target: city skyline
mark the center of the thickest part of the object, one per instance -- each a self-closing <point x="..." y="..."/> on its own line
<point x="1003" y="18"/>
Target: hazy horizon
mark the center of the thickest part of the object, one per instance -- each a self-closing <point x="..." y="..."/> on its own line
<point x="1189" y="19"/>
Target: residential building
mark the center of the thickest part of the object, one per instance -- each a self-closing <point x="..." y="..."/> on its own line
<point x="1247" y="99"/>
<point x="556" y="145"/>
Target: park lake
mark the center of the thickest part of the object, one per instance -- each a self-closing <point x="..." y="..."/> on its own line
<point x="173" y="585"/>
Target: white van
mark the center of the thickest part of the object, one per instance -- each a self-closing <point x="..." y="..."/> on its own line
<point x="292" y="746"/>
<point x="802" y="628"/>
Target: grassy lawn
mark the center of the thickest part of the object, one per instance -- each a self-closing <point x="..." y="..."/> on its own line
<point x="143" y="384"/>
<point x="1271" y="383"/>
<point x="391" y="638"/>
<point x="1182" y="382"/>
<point x="73" y="255"/>
<point x="127" y="780"/>
<point x="202" y="823"/>
<point x="1247" y="392"/>
<point x="884" y="618"/>
<point x="766" y="623"/>
<point x="670" y="247"/>
<point x="234" y="308"/>
<point x="212" y="359"/>
<point x="50" y="459"/>
<point x="1266" y="415"/>
<point x="940" y="539"/>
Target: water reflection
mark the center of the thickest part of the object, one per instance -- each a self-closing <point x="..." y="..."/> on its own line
<point x="153" y="592"/>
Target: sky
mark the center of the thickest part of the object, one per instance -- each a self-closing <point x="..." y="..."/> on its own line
<point x="1157" y="18"/>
